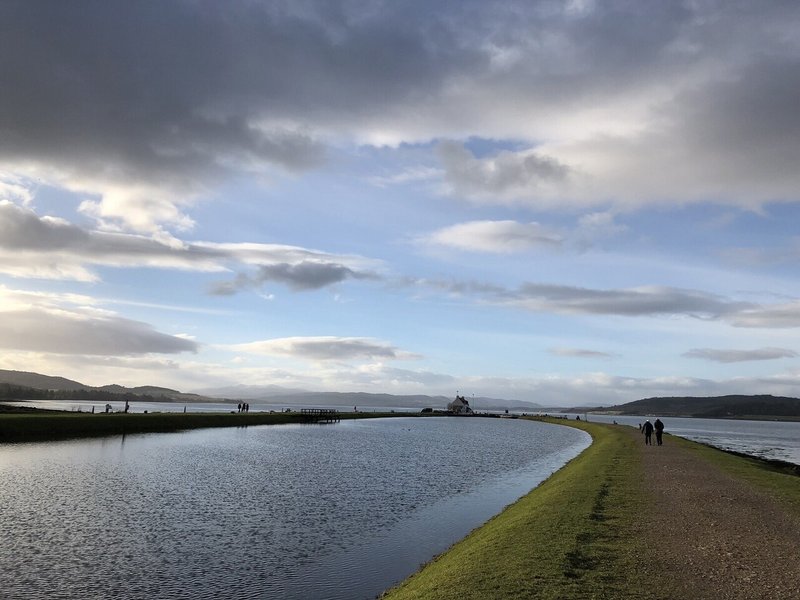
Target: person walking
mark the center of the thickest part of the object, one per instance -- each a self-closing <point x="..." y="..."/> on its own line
<point x="659" y="427"/>
<point x="647" y="428"/>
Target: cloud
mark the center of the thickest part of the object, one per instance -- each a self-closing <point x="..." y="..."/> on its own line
<point x="494" y="236"/>
<point x="608" y="102"/>
<point x="631" y="302"/>
<point x="302" y="276"/>
<point x="774" y="316"/>
<point x="410" y="175"/>
<point x="62" y="324"/>
<point x="507" y="175"/>
<point x="325" y="348"/>
<point x="580" y="353"/>
<point x="734" y="356"/>
<point x="644" y="301"/>
<point x="52" y="248"/>
<point x="308" y="275"/>
<point x="506" y="237"/>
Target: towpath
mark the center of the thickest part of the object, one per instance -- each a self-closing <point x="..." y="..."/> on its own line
<point x="710" y="535"/>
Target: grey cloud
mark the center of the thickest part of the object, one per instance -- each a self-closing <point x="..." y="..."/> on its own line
<point x="341" y="349"/>
<point x="179" y="94"/>
<point x="22" y="229"/>
<point x="744" y="128"/>
<point x="61" y="333"/>
<point x="302" y="276"/>
<point x="647" y="301"/>
<point x="580" y="353"/>
<point x="773" y="316"/>
<point x="31" y="245"/>
<point x="507" y="173"/>
<point x="324" y="348"/>
<point x="177" y="87"/>
<point x="734" y="356"/>
<point x="307" y="275"/>
<point x="644" y="301"/>
<point x="175" y="91"/>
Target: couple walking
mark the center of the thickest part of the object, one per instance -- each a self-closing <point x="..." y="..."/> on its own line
<point x="647" y="429"/>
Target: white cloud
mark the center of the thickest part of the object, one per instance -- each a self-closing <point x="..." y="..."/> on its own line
<point x="68" y="324"/>
<point x="494" y="236"/>
<point x="410" y="175"/>
<point x="52" y="248"/>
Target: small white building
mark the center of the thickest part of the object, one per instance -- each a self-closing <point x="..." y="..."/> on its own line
<point x="459" y="406"/>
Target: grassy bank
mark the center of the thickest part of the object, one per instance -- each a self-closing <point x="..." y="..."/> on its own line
<point x="51" y="426"/>
<point x="569" y="538"/>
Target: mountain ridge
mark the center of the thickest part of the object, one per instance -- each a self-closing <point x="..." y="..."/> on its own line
<point x="271" y="394"/>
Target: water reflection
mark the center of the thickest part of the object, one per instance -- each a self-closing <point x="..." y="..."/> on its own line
<point x="261" y="512"/>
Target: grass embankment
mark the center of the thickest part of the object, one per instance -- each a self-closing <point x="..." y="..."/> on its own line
<point x="50" y="426"/>
<point x="569" y="538"/>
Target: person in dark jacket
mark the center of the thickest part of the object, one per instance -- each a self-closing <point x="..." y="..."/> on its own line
<point x="647" y="428"/>
<point x="659" y="427"/>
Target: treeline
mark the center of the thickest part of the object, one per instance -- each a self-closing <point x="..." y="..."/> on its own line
<point x="772" y="409"/>
<point x="716" y="406"/>
<point x="16" y="392"/>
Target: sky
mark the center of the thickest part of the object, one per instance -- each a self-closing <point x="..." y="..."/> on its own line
<point x="563" y="202"/>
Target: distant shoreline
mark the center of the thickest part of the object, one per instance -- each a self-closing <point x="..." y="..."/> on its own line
<point x="30" y="425"/>
<point x="616" y="413"/>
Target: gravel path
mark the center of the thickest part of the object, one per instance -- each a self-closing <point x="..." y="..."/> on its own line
<point x="712" y="536"/>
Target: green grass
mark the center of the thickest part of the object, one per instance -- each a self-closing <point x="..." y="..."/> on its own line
<point x="571" y="537"/>
<point x="49" y="426"/>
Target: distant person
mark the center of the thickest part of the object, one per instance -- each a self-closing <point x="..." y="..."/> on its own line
<point x="659" y="431"/>
<point x="239" y="407"/>
<point x="127" y="407"/>
<point x="647" y="428"/>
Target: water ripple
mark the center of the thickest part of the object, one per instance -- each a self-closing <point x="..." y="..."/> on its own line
<point x="337" y="511"/>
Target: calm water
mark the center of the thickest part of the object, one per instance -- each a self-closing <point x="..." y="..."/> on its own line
<point x="315" y="511"/>
<point x="767" y="439"/>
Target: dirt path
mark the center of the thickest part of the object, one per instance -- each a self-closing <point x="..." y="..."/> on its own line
<point x="712" y="536"/>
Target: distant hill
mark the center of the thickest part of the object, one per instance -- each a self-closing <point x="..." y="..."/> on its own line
<point x="761" y="406"/>
<point x="276" y="395"/>
<point x="33" y="382"/>
<point x="34" y="385"/>
<point x="42" y="382"/>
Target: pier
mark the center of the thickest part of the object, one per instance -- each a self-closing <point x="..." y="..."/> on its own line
<point x="320" y="415"/>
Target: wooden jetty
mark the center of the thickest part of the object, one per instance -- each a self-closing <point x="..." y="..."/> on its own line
<point x="320" y="415"/>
